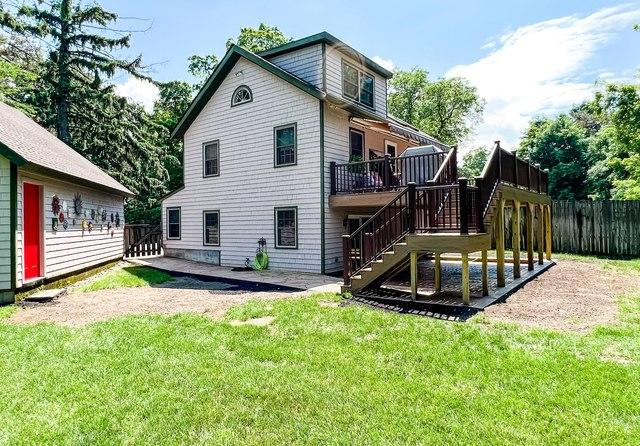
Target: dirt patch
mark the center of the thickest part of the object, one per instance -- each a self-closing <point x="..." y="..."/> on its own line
<point x="181" y="296"/>
<point x="571" y="296"/>
<point x="256" y="321"/>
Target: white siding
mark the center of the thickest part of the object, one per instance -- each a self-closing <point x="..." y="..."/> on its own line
<point x="336" y="143"/>
<point x="5" y="224"/>
<point x="305" y="63"/>
<point x="334" y="79"/>
<point x="69" y="250"/>
<point x="249" y="187"/>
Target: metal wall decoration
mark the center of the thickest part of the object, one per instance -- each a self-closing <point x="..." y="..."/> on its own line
<point x="112" y="219"/>
<point x="61" y="218"/>
<point x="93" y="214"/>
<point x="55" y="205"/>
<point x="90" y="226"/>
<point x="77" y="204"/>
<point x="104" y="215"/>
<point x="117" y="219"/>
<point x="65" y="224"/>
<point x="54" y="224"/>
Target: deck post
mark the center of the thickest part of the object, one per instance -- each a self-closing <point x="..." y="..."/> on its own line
<point x="332" y="169"/>
<point x="414" y="274"/>
<point x="515" y="238"/>
<point x="464" y="208"/>
<point x="479" y="209"/>
<point x="547" y="225"/>
<point x="346" y="259"/>
<point x="438" y="273"/>
<point x="500" y="242"/>
<point x="485" y="273"/>
<point x="411" y="205"/>
<point x="466" y="298"/>
<point x="529" y="227"/>
<point x="386" y="175"/>
<point x="540" y="228"/>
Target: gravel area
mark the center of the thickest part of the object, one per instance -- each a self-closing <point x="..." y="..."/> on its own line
<point x="571" y="296"/>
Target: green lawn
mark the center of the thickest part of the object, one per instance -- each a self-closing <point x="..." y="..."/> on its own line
<point x="128" y="277"/>
<point x="319" y="375"/>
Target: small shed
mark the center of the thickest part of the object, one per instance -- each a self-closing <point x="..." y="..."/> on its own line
<point x="59" y="213"/>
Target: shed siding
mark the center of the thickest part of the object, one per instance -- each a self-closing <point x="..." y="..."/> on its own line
<point x="249" y="187"/>
<point x="334" y="79"/>
<point x="305" y="63"/>
<point x="336" y="143"/>
<point x="66" y="251"/>
<point x="5" y="224"/>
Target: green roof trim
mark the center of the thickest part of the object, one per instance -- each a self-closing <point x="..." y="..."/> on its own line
<point x="219" y="74"/>
<point x="325" y="37"/>
<point x="11" y="155"/>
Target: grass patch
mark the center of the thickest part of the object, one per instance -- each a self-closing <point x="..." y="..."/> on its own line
<point x="128" y="277"/>
<point x="319" y="375"/>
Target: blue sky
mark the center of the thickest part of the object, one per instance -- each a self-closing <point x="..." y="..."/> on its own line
<point x="526" y="58"/>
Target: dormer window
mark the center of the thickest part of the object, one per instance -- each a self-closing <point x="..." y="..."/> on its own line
<point x="242" y="95"/>
<point x="357" y="85"/>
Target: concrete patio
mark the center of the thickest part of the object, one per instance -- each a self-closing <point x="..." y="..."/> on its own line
<point x="295" y="281"/>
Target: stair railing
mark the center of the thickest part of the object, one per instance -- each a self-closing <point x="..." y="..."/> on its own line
<point x="379" y="233"/>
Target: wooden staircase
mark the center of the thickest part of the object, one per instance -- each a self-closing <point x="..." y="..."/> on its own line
<point x="447" y="215"/>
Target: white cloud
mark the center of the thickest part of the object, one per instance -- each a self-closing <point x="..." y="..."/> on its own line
<point x="139" y="91"/>
<point x="384" y="63"/>
<point x="539" y="69"/>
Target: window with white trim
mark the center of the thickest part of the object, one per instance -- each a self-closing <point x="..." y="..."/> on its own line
<point x="357" y="85"/>
<point x="211" y="159"/>
<point x="286" y="227"/>
<point x="173" y="223"/>
<point x="211" y="228"/>
<point x="241" y="95"/>
<point x="285" y="145"/>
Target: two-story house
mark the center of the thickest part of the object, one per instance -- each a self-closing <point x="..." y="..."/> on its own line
<point x="294" y="147"/>
<point x="259" y="140"/>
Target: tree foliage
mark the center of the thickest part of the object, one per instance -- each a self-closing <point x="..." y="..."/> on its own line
<point x="259" y="39"/>
<point x="594" y="151"/>
<point x="447" y="108"/>
<point x="473" y="162"/>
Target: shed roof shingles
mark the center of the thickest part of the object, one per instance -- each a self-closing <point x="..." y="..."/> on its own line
<point x="39" y="147"/>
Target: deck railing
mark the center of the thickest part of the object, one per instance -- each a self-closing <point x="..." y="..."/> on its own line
<point x="384" y="174"/>
<point x="505" y="167"/>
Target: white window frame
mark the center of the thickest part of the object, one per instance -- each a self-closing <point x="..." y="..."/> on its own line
<point x="204" y="227"/>
<point x="179" y="209"/>
<point x="215" y="142"/>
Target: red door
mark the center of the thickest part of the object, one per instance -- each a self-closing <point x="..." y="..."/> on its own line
<point x="31" y="228"/>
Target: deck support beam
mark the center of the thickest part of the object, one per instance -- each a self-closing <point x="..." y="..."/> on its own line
<point x="547" y="230"/>
<point x="499" y="228"/>
<point x="515" y="238"/>
<point x="414" y="274"/>
<point x="540" y="234"/>
<point x="466" y="292"/>
<point x="529" y="229"/>
<point x="485" y="274"/>
<point x="438" y="272"/>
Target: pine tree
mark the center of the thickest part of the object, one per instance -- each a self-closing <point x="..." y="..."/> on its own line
<point x="77" y="57"/>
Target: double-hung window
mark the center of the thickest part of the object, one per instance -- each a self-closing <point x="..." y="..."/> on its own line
<point x="286" y="227"/>
<point x="357" y="85"/>
<point x="285" y="145"/>
<point x="211" y="227"/>
<point x="211" y="159"/>
<point x="173" y="223"/>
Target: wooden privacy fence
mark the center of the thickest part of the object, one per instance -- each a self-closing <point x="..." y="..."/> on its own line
<point x="142" y="240"/>
<point x="609" y="228"/>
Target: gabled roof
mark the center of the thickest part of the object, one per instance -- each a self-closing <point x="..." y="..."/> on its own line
<point x="219" y="74"/>
<point x="27" y="144"/>
<point x="325" y="37"/>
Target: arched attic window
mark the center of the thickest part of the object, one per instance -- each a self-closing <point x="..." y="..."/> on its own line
<point x="241" y="95"/>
